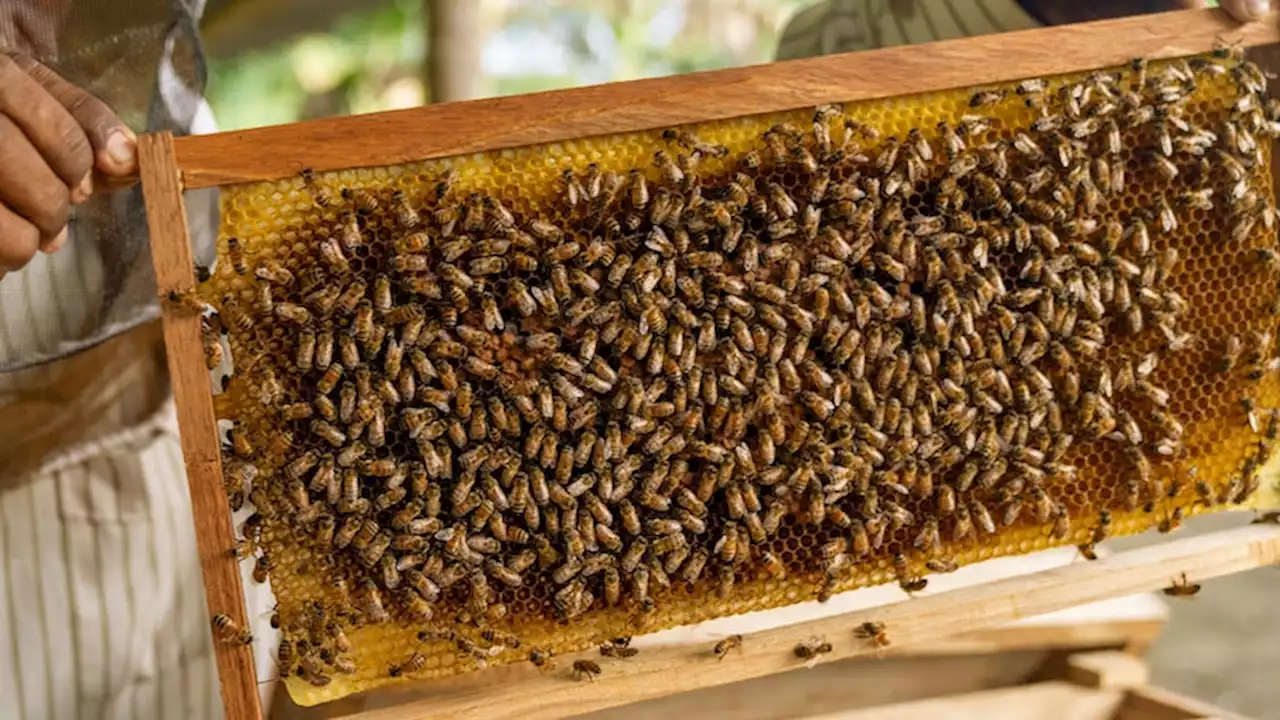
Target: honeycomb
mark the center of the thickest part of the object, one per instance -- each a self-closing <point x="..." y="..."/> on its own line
<point x="925" y="393"/>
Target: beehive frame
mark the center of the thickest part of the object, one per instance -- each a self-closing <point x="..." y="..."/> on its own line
<point x="169" y="167"/>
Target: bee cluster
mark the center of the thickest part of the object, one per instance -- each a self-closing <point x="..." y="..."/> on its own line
<point x="887" y="347"/>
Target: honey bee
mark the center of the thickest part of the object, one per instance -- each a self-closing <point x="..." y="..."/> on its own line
<point x="211" y="344"/>
<point x="1171" y="522"/>
<point x="1269" y="517"/>
<point x="1165" y="167"/>
<point x="314" y="677"/>
<point x="235" y="254"/>
<point x="811" y="649"/>
<point x="229" y="631"/>
<point x="542" y="659"/>
<point x="1138" y="73"/>
<point x="286" y="657"/>
<point x="982" y="517"/>
<point x="668" y="169"/>
<point x="343" y="664"/>
<point x="985" y="98"/>
<point x="1231" y="351"/>
<point x="690" y="142"/>
<point x="619" y="648"/>
<point x="1100" y="532"/>
<point x="637" y="189"/>
<point x="186" y="300"/>
<point x="874" y="632"/>
<point x="1268" y="259"/>
<point x="928" y="538"/>
<point x="1196" y="199"/>
<point x="320" y="195"/>
<point x="772" y="565"/>
<point x="412" y="243"/>
<point x="908" y="582"/>
<point x="723" y="647"/>
<point x="370" y="600"/>
<point x="1224" y="50"/>
<point x="349" y="233"/>
<point x="261" y="568"/>
<point x="951" y="140"/>
<point x="1061" y="523"/>
<point x="1031" y="86"/>
<point x="1027" y="147"/>
<point x="333" y="257"/>
<point x="497" y="637"/>
<point x="362" y="200"/>
<point x="1165" y="214"/>
<point x="406" y="216"/>
<point x="939" y="565"/>
<point x="585" y="670"/>
<point x="1181" y="587"/>
<point x="293" y="313"/>
<point x="416" y="662"/>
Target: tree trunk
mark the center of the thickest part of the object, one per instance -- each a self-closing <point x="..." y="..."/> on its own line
<point x="454" y="38"/>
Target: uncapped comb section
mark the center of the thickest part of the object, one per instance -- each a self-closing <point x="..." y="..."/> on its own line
<point x="503" y="405"/>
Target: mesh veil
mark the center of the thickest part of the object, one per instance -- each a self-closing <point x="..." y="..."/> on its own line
<point x="144" y="59"/>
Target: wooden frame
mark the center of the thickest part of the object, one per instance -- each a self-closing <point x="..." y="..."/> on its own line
<point x="1105" y="685"/>
<point x="169" y="167"/>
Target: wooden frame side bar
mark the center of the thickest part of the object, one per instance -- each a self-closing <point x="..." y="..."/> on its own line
<point x="522" y="693"/>
<point x="171" y="255"/>
<point x="391" y="138"/>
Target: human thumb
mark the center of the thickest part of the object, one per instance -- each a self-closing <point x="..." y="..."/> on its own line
<point x="115" y="146"/>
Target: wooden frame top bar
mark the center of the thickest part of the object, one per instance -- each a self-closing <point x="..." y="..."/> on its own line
<point x="402" y="136"/>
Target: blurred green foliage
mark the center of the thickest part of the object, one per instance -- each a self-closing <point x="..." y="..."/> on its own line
<point x="372" y="59"/>
<point x="342" y="71"/>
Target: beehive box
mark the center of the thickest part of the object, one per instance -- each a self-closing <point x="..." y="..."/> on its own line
<point x="900" y="310"/>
